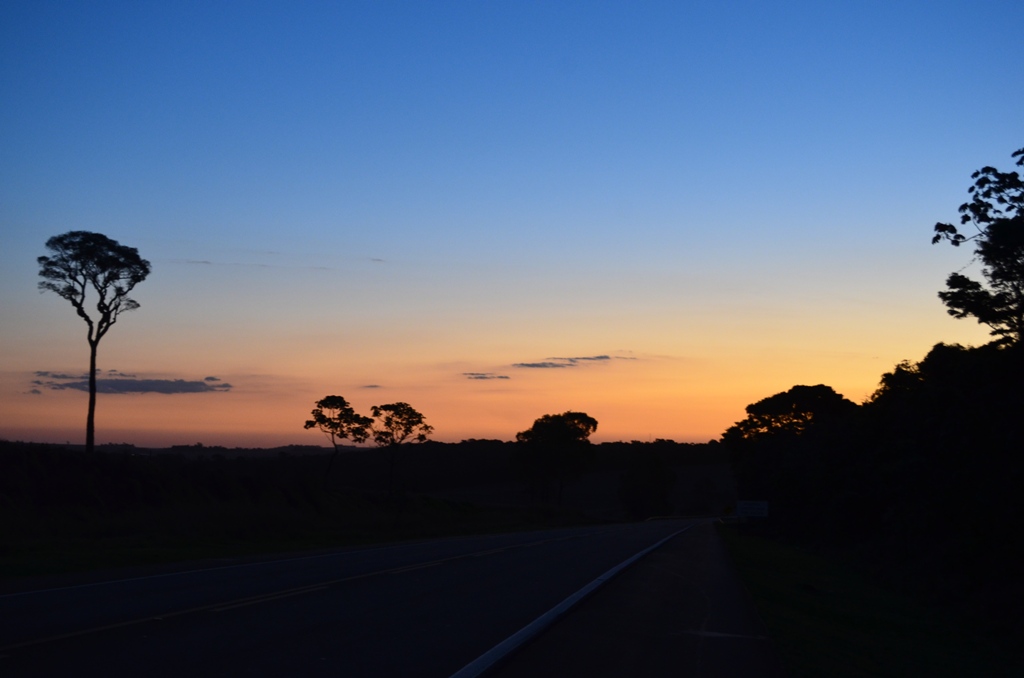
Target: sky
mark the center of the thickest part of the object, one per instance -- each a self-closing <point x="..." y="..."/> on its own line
<point x="652" y="212"/>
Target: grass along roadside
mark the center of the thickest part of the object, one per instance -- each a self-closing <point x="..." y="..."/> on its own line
<point x="828" y="620"/>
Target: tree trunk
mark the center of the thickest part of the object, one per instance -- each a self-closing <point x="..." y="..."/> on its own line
<point x="90" y="421"/>
<point x="331" y="463"/>
<point x="391" y="470"/>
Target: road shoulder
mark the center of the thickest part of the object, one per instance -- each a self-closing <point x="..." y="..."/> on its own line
<point x="681" y="610"/>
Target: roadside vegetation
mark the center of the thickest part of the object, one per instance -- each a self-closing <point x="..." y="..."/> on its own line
<point x="919" y="487"/>
<point x="827" y="618"/>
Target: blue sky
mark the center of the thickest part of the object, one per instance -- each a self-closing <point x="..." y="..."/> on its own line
<point x="337" y="194"/>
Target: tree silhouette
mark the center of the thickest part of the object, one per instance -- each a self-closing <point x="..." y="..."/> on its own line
<point x="996" y="210"/>
<point x="338" y="421"/>
<point x="556" y="448"/>
<point x="803" y="450"/>
<point x="790" y="412"/>
<point x="394" y="424"/>
<point x="81" y="260"/>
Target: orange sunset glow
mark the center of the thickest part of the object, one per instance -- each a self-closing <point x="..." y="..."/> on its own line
<point x="418" y="212"/>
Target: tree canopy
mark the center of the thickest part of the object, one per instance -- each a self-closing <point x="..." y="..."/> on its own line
<point x="996" y="210"/>
<point x="396" y="423"/>
<point x="791" y="412"/>
<point x="555" y="449"/>
<point x="568" y="428"/>
<point x="390" y="426"/>
<point x="925" y="476"/>
<point x="81" y="261"/>
<point x="338" y="421"/>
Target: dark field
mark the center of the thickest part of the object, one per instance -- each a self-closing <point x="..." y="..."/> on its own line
<point x="62" y="510"/>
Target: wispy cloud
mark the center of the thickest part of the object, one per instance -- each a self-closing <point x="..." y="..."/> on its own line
<point x="563" y="362"/>
<point x="558" y="363"/>
<point x="165" y="386"/>
<point x="484" y="375"/>
<point x="207" y="262"/>
<point x="57" y="375"/>
<point x="120" y="383"/>
<point x="371" y="386"/>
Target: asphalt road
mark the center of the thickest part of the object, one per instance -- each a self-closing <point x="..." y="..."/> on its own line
<point x="679" y="611"/>
<point x="417" y="609"/>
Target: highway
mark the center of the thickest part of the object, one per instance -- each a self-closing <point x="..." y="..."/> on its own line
<point x="415" y="609"/>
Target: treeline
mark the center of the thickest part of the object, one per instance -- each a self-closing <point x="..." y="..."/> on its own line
<point x="922" y="483"/>
<point x="53" y="496"/>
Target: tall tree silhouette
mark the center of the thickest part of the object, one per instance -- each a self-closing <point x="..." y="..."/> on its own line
<point x="996" y="210"/>
<point x="338" y="421"/>
<point x="80" y="261"/>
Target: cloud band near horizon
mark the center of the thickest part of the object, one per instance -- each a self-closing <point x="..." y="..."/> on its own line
<point x="125" y="384"/>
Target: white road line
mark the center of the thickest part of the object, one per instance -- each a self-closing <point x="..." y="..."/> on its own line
<point x="488" y="659"/>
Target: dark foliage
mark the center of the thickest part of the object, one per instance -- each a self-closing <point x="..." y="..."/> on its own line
<point x="996" y="210"/>
<point x="81" y="265"/>
<point x="555" y="451"/>
<point x="336" y="419"/>
<point x="923" y="481"/>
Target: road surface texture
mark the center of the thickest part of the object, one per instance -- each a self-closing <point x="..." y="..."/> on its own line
<point x="680" y="611"/>
<point x="415" y="609"/>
